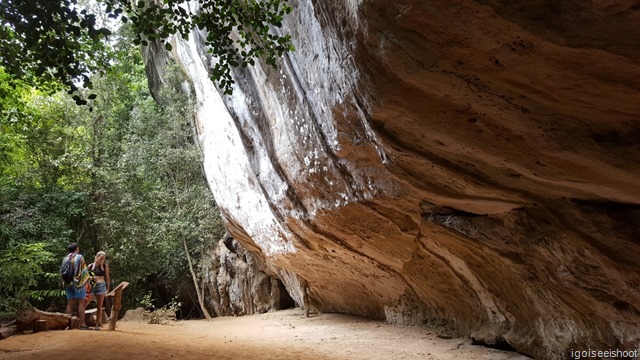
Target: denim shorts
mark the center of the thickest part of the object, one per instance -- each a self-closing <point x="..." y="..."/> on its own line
<point x="75" y="293"/>
<point x="99" y="288"/>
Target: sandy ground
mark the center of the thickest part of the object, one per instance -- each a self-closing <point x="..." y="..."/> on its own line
<point x="278" y="335"/>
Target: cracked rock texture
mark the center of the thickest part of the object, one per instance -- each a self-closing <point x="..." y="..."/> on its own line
<point x="236" y="285"/>
<point x="474" y="164"/>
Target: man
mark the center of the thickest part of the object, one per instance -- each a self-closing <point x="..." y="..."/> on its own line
<point x="76" y="292"/>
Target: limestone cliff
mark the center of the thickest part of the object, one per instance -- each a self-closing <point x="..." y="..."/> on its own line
<point x="236" y="285"/>
<point x="474" y="164"/>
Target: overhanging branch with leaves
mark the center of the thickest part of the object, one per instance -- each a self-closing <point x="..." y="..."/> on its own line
<point x="62" y="40"/>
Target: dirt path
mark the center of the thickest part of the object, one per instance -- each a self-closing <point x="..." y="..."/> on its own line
<point x="279" y="335"/>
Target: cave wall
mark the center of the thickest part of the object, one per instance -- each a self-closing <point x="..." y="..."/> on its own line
<point x="236" y="285"/>
<point x="473" y="164"/>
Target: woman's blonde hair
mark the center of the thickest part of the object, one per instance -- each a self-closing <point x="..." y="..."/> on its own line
<point x="101" y="253"/>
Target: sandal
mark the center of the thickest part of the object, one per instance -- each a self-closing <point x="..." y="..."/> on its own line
<point x="97" y="327"/>
<point x="84" y="327"/>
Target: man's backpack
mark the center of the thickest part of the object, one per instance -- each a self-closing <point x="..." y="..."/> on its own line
<point x="67" y="270"/>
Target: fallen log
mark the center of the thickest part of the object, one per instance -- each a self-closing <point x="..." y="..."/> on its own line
<point x="74" y="323"/>
<point x="40" y="325"/>
<point x="7" y="331"/>
<point x="26" y="318"/>
<point x="12" y="322"/>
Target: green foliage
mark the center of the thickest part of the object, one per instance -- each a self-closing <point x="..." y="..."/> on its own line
<point x="67" y="41"/>
<point x="42" y="198"/>
<point x="125" y="178"/>
<point x="42" y="294"/>
<point x="12" y="94"/>
<point x="20" y="267"/>
<point x="28" y="216"/>
<point x="51" y="40"/>
<point x="146" y="301"/>
<point x="158" y="194"/>
<point x="250" y="19"/>
<point x="160" y="315"/>
<point x="35" y="228"/>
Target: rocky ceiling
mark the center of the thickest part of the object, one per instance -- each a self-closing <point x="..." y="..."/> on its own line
<point x="473" y="164"/>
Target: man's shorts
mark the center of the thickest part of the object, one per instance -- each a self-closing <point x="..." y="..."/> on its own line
<point x="76" y="293"/>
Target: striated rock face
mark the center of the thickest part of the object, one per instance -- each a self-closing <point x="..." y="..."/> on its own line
<point x="474" y="164"/>
<point x="236" y="285"/>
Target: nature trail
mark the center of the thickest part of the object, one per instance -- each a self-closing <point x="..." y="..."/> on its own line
<point x="278" y="335"/>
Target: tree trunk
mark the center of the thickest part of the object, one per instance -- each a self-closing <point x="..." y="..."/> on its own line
<point x="195" y="282"/>
<point x="26" y="318"/>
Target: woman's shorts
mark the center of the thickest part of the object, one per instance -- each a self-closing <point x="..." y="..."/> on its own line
<point x="75" y="293"/>
<point x="99" y="289"/>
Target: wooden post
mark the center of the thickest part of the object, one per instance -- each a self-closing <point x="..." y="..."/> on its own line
<point x="40" y="325"/>
<point x="117" y="298"/>
<point x="115" y="310"/>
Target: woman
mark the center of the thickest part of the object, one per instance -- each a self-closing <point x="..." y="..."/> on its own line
<point x="101" y="277"/>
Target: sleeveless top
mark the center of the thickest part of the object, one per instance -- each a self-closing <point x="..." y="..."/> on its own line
<point x="98" y="270"/>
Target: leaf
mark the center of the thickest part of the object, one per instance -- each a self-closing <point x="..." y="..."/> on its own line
<point x="168" y="46"/>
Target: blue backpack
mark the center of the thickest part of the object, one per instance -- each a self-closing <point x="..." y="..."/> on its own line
<point x="67" y="270"/>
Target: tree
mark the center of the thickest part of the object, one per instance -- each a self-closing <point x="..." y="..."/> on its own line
<point x="125" y="178"/>
<point x="50" y="40"/>
<point x="42" y="200"/>
<point x="148" y="193"/>
<point x="61" y="39"/>
<point x="19" y="267"/>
